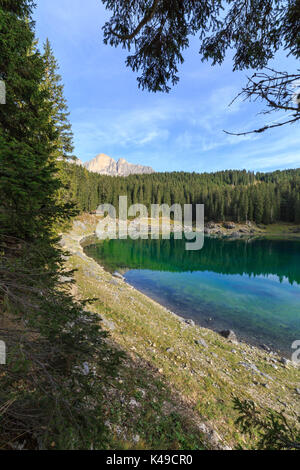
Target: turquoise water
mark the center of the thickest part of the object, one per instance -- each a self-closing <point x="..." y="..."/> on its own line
<point x="250" y="286"/>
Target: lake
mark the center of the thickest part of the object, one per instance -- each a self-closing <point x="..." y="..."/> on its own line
<point x="250" y="286"/>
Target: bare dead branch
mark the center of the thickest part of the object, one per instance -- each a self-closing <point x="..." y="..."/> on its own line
<point x="277" y="90"/>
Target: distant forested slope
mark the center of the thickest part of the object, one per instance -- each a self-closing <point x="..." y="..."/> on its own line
<point x="227" y="195"/>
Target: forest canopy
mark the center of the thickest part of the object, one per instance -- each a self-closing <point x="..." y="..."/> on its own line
<point x="227" y="195"/>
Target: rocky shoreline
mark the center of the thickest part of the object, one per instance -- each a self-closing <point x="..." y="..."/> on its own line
<point x="195" y="361"/>
<point x="227" y="230"/>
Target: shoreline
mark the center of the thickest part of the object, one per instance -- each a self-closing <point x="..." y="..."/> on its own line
<point x="251" y="340"/>
<point x="241" y="338"/>
<point x="206" y="369"/>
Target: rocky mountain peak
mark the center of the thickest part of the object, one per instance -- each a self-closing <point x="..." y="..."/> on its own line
<point x="105" y="165"/>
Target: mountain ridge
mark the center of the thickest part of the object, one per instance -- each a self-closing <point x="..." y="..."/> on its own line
<point x="105" y="165"/>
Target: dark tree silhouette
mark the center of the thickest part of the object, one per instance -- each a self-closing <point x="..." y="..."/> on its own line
<point x="158" y="31"/>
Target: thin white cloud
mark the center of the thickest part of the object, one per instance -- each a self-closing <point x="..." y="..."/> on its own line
<point x="189" y="124"/>
<point x="164" y="129"/>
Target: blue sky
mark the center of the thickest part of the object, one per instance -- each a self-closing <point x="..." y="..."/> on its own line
<point x="174" y="132"/>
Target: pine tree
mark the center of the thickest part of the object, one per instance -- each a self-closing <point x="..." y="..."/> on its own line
<point x="59" y="109"/>
<point x="27" y="139"/>
<point x="59" y="115"/>
<point x="297" y="209"/>
<point x="43" y="348"/>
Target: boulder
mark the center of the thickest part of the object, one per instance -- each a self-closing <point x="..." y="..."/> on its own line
<point x="235" y="235"/>
<point x="229" y="225"/>
<point x="134" y="404"/>
<point x="202" y="343"/>
<point x="265" y="347"/>
<point x="190" y="322"/>
<point x="211" y="225"/>
<point x="212" y="437"/>
<point x="285" y="361"/>
<point x="108" y="323"/>
<point x="253" y="368"/>
<point x="118" y="275"/>
<point x="228" y="334"/>
<point x="65" y="279"/>
<point x="79" y="224"/>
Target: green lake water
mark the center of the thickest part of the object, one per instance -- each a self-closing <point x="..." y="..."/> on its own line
<point x="250" y="286"/>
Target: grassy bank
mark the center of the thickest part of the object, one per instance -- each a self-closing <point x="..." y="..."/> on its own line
<point x="177" y="381"/>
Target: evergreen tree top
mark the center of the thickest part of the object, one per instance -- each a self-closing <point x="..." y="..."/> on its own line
<point x="60" y="114"/>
